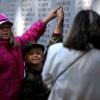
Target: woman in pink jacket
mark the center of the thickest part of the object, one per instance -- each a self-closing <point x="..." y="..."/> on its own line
<point x="11" y="61"/>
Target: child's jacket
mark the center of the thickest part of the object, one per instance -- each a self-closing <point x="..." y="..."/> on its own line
<point x="34" y="89"/>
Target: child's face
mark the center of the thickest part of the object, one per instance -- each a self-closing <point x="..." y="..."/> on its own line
<point x="5" y="30"/>
<point x="35" y="56"/>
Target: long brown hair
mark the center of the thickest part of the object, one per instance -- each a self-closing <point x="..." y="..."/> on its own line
<point x="85" y="31"/>
<point x="12" y="41"/>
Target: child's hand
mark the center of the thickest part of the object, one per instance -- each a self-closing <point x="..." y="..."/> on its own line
<point x="59" y="24"/>
<point x="60" y="15"/>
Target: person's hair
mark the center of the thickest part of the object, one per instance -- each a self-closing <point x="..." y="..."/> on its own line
<point x="85" y="31"/>
<point x="12" y="41"/>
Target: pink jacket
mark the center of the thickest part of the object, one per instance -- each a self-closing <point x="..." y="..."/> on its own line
<point x="11" y="63"/>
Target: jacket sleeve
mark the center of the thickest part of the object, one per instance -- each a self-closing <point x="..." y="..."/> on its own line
<point x="55" y="38"/>
<point x="27" y="91"/>
<point x="33" y="33"/>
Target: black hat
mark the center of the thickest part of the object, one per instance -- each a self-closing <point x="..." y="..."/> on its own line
<point x="31" y="45"/>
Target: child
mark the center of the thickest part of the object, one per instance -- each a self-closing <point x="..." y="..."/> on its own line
<point x="34" y="88"/>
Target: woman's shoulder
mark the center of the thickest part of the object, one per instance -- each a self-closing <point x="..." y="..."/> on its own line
<point x="55" y="47"/>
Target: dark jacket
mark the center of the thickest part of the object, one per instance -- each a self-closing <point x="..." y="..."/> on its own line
<point x="34" y="89"/>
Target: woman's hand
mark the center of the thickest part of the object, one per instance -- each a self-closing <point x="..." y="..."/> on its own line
<point x="52" y="14"/>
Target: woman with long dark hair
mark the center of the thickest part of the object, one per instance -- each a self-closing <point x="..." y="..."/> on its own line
<point x="74" y="65"/>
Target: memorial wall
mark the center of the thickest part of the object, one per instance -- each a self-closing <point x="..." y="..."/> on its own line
<point x="25" y="12"/>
